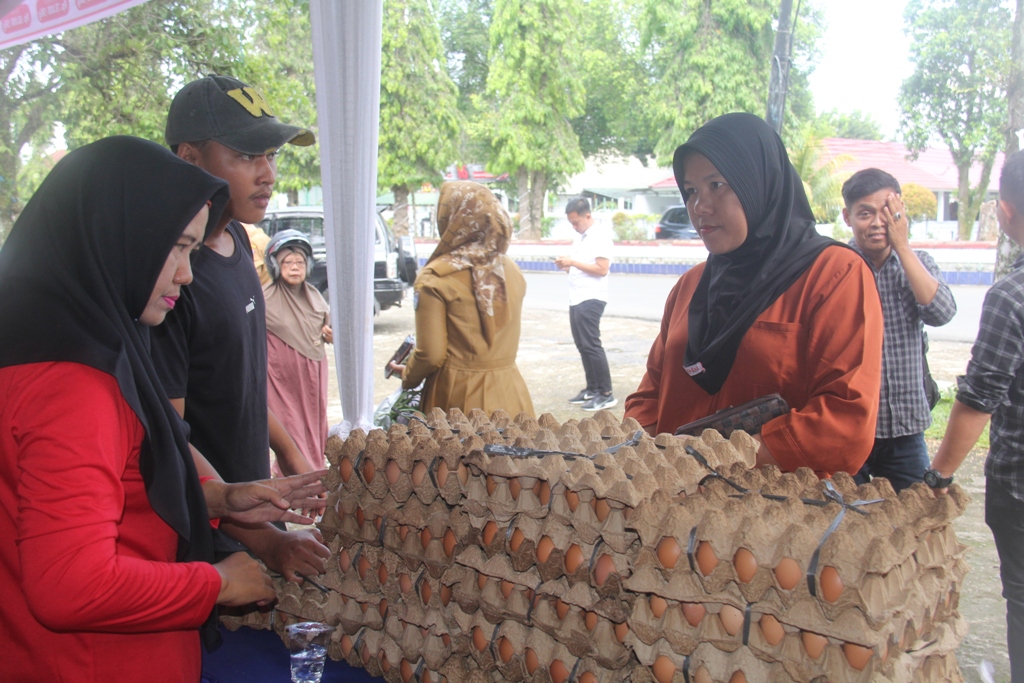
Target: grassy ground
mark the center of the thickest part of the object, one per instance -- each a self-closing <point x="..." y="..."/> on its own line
<point x="940" y="418"/>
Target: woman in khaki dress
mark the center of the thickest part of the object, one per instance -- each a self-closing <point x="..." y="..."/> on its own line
<point x="468" y="301"/>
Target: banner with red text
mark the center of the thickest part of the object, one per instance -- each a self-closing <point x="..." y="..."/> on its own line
<point x="33" y="19"/>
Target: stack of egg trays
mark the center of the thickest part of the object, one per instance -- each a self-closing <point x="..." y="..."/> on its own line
<point x="729" y="570"/>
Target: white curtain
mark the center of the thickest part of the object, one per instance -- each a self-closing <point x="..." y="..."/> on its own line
<point x="346" y="57"/>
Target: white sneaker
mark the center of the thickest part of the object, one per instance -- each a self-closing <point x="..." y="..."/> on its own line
<point x="600" y="402"/>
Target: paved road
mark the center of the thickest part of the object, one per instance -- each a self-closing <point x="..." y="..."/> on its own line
<point x="643" y="297"/>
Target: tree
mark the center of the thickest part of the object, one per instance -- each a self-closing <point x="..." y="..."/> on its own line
<point x="823" y="182"/>
<point x="535" y="88"/>
<point x="920" y="202"/>
<point x="465" y="34"/>
<point x="957" y="92"/>
<point x="855" y="125"/>
<point x="1008" y="251"/>
<point x="419" y="118"/>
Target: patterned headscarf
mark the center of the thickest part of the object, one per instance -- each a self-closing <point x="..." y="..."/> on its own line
<point x="475" y="231"/>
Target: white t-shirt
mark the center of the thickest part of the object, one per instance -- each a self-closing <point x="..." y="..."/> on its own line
<point x="595" y="243"/>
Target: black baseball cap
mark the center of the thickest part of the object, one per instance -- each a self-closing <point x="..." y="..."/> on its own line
<point x="228" y="111"/>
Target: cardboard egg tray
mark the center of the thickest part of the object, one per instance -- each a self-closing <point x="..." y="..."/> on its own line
<point x="476" y="548"/>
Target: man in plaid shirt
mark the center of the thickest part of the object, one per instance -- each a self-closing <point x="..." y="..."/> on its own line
<point x="994" y="387"/>
<point x="913" y="294"/>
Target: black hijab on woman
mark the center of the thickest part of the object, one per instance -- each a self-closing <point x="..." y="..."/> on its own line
<point x="77" y="271"/>
<point x="781" y="243"/>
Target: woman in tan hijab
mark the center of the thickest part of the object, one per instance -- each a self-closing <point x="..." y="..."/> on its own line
<point x="298" y="326"/>
<point x="468" y="301"/>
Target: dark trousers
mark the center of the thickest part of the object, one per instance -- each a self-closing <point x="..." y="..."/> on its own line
<point x="902" y="460"/>
<point x="1004" y="514"/>
<point x="585" y="323"/>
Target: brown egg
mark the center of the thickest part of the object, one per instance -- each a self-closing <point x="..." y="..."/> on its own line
<point x="573" y="558"/>
<point x="559" y="671"/>
<point x="505" y="650"/>
<point x="813" y="643"/>
<point x="531" y="661"/>
<point x="368" y="471"/>
<point x="490" y="531"/>
<point x="601" y="508"/>
<point x="346" y="645"/>
<point x="404" y="583"/>
<point x="492" y="485"/>
<point x="603" y="568"/>
<point x="382" y="573"/>
<point x="385" y="665"/>
<point x="446" y="639"/>
<point x="590" y="620"/>
<point x="506" y="588"/>
<point x="406" y="671"/>
<point x="345" y="467"/>
<point x="425" y="538"/>
<point x="702" y="676"/>
<point x="364" y="567"/>
<point x="344" y="561"/>
<point x="787" y="573"/>
<point x="403" y="531"/>
<point x="446" y="595"/>
<point x="449" y="542"/>
<point x="693" y="612"/>
<point x="425" y="591"/>
<point x="544" y="548"/>
<point x="463" y="473"/>
<point x="543" y="491"/>
<point x="857" y="656"/>
<point x="732" y="619"/>
<point x="364" y="606"/>
<point x="658" y="605"/>
<point x="621" y="631"/>
<point x="738" y="677"/>
<point x="442" y="474"/>
<point x="392" y="472"/>
<point x="668" y="552"/>
<point x="517" y="540"/>
<point x="426" y="677"/>
<point x="831" y="584"/>
<point x="360" y="517"/>
<point x="514" y="487"/>
<point x="364" y="654"/>
<point x="663" y="669"/>
<point x="481" y="581"/>
<point x="382" y="607"/>
<point x="745" y="564"/>
<point x="378" y="522"/>
<point x="587" y="677"/>
<point x="771" y="629"/>
<point x="419" y="472"/>
<point x="573" y="499"/>
<point x="561" y="608"/>
<point x="706" y="560"/>
<point x="479" y="639"/>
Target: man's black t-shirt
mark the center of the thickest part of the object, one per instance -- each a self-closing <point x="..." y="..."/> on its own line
<point x="212" y="351"/>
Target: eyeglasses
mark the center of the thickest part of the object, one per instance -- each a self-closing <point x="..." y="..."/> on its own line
<point x="293" y="263"/>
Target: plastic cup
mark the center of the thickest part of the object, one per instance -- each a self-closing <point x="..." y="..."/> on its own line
<point x="307" y="641"/>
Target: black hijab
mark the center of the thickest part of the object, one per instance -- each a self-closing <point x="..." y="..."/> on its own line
<point x="781" y="243"/>
<point x="77" y="271"/>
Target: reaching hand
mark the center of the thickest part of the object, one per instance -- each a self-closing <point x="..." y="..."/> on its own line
<point x="297" y="552"/>
<point x="269" y="500"/>
<point x="396" y="368"/>
<point x="243" y="581"/>
<point x="898" y="226"/>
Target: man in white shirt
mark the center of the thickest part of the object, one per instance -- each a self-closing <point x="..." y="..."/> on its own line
<point x="588" y="266"/>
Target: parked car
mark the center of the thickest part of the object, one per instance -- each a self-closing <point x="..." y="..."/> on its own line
<point x="394" y="262"/>
<point x="675" y="225"/>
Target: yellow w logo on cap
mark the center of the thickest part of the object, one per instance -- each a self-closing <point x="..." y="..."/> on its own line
<point x="251" y="100"/>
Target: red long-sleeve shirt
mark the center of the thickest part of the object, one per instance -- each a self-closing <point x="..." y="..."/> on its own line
<point x="89" y="586"/>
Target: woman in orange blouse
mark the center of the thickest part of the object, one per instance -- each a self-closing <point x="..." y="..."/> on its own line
<point x="776" y="308"/>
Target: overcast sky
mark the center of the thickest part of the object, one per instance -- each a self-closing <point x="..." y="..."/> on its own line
<point x="863" y="60"/>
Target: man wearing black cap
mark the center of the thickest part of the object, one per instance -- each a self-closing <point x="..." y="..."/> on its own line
<point x="211" y="352"/>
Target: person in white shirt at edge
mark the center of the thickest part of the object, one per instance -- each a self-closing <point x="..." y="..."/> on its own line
<point x="588" y="265"/>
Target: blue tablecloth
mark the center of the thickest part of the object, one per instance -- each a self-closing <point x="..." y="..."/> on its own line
<point x="254" y="656"/>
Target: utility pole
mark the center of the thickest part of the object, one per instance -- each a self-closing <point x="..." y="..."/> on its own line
<point x="779" y="83"/>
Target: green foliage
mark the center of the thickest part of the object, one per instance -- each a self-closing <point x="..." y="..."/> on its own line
<point x="855" y="125"/>
<point x="546" y="224"/>
<point x="419" y="118"/>
<point x="465" y="35"/>
<point x="823" y="182"/>
<point x="940" y="420"/>
<point x="957" y="92"/>
<point x="626" y="227"/>
<point x="920" y="202"/>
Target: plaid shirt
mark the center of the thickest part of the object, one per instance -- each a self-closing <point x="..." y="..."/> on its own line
<point x="902" y="405"/>
<point x="994" y="382"/>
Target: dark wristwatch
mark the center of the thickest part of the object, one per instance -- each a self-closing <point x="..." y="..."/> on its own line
<point x="935" y="480"/>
